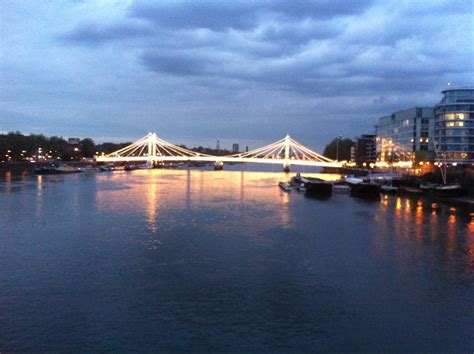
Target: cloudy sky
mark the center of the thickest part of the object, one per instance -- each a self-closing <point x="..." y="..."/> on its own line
<point x="248" y="72"/>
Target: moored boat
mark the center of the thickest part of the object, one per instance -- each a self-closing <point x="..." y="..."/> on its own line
<point x="387" y="187"/>
<point x="363" y="189"/>
<point x="56" y="170"/>
<point x="89" y="168"/>
<point x="129" y="167"/>
<point x="409" y="190"/>
<point x="340" y="187"/>
<point x="317" y="186"/>
<point x="146" y="166"/>
<point x="448" y="190"/>
<point x="285" y="186"/>
<point x="106" y="168"/>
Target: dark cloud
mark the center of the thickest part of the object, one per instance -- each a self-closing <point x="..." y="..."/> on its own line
<point x="181" y="64"/>
<point x="220" y="15"/>
<point x="94" y="33"/>
<point x="234" y="68"/>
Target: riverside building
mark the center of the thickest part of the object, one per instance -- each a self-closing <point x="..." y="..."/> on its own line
<point x="454" y="126"/>
<point x="364" y="152"/>
<point x="406" y="136"/>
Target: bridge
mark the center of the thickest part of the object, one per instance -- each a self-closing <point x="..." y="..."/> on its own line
<point x="285" y="152"/>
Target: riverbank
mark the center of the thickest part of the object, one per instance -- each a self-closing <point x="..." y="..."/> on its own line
<point x="28" y="168"/>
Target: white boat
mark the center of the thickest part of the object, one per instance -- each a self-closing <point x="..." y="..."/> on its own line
<point x="106" y="168"/>
<point x="89" y="168"/>
<point x="285" y="186"/>
<point x="67" y="169"/>
<point x="146" y="166"/>
<point x="385" y="188"/>
<point x="388" y="187"/>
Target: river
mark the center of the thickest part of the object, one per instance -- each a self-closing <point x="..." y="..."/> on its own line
<point x="192" y="260"/>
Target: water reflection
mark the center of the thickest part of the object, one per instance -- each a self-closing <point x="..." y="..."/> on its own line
<point x="444" y="229"/>
<point x="159" y="193"/>
<point x="152" y="249"/>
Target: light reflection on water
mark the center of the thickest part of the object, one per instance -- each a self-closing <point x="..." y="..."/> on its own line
<point x="186" y="259"/>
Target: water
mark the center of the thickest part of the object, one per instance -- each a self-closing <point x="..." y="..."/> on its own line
<point x="226" y="261"/>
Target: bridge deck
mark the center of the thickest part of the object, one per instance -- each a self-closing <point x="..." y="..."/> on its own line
<point x="219" y="159"/>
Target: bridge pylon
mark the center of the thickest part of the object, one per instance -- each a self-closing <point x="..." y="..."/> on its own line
<point x="151" y="144"/>
<point x="286" y="162"/>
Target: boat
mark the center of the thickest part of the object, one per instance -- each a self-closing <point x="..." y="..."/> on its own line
<point x="411" y="191"/>
<point x="297" y="183"/>
<point x="106" y="168"/>
<point x="129" y="167"/>
<point x="442" y="190"/>
<point x="285" y="186"/>
<point x="340" y="187"/>
<point x="89" y="168"/>
<point x="427" y="187"/>
<point x="56" y="170"/>
<point x="296" y="180"/>
<point x="317" y="186"/>
<point x="363" y="188"/>
<point x="448" y="190"/>
<point x="387" y="187"/>
<point x="445" y="189"/>
<point x="146" y="166"/>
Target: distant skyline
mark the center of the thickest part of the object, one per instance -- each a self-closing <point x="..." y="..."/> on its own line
<point x="246" y="72"/>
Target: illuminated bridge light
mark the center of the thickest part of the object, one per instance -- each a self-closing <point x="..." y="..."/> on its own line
<point x="152" y="149"/>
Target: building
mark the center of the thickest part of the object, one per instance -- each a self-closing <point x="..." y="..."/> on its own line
<point x="406" y="136"/>
<point x="454" y="126"/>
<point x="73" y="141"/>
<point x="235" y="148"/>
<point x="365" y="151"/>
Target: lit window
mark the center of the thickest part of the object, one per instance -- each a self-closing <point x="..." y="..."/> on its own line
<point x="449" y="116"/>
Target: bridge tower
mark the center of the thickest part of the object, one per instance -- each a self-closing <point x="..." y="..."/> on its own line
<point x="151" y="140"/>
<point x="286" y="163"/>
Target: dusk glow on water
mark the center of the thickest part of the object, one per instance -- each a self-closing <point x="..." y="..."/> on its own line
<point x="223" y="261"/>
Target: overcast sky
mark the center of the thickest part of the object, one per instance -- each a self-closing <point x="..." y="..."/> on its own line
<point x="248" y="72"/>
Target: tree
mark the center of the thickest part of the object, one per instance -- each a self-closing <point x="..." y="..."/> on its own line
<point x="88" y="148"/>
<point x="339" y="148"/>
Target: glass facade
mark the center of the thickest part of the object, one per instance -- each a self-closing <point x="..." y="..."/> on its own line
<point x="403" y="134"/>
<point x="454" y="126"/>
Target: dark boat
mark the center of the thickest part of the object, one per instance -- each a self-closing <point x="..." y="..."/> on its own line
<point x="442" y="190"/>
<point x="56" y="170"/>
<point x="297" y="183"/>
<point x="448" y="190"/>
<point x="317" y="186"/>
<point x="413" y="191"/>
<point x="130" y="167"/>
<point x="363" y="189"/>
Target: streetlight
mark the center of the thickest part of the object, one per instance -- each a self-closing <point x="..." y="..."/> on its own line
<point x="337" y="147"/>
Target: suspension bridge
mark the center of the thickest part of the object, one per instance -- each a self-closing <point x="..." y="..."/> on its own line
<point x="285" y="152"/>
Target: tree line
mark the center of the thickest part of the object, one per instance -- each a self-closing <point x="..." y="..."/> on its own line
<point x="15" y="146"/>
